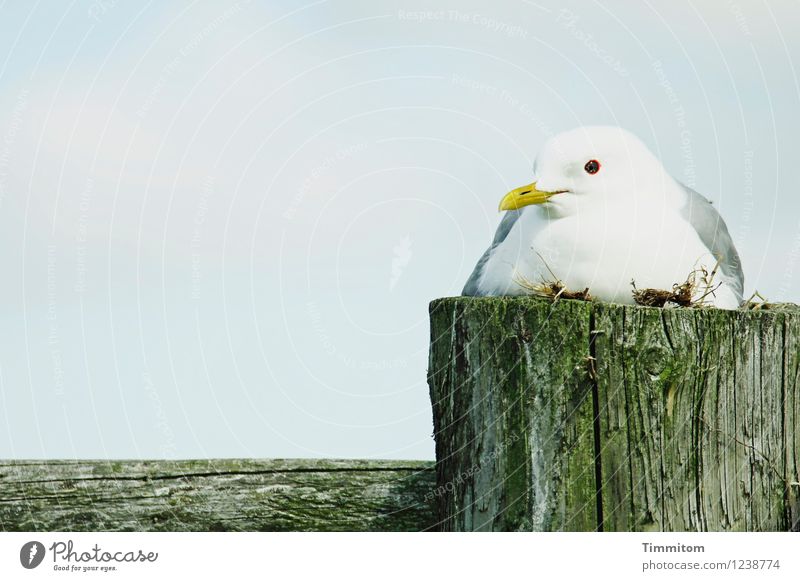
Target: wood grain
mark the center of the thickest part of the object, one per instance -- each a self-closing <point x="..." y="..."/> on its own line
<point x="696" y="419"/>
<point x="512" y="409"/>
<point x="217" y="495"/>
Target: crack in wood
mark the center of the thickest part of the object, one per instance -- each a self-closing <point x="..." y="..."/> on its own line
<point x="596" y="427"/>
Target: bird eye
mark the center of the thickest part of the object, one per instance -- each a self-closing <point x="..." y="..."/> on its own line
<point x="592" y="166"/>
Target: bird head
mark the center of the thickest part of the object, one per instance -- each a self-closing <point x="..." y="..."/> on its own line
<point x="592" y="166"/>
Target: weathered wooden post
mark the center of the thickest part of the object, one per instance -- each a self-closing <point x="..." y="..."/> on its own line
<point x="573" y="415"/>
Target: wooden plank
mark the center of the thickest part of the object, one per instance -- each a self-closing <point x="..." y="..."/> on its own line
<point x="217" y="495"/>
<point x="512" y="414"/>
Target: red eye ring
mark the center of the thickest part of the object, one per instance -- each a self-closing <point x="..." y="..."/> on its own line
<point x="592" y="166"/>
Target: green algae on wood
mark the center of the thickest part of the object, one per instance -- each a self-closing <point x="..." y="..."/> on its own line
<point x="512" y="412"/>
<point x="584" y="416"/>
<point x="704" y="441"/>
<point x="217" y="495"/>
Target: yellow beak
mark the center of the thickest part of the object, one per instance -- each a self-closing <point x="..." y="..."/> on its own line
<point x="524" y="196"/>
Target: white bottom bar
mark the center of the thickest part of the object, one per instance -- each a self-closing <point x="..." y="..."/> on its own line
<point x="409" y="556"/>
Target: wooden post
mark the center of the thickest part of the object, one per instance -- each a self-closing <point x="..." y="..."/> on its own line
<point x="588" y="416"/>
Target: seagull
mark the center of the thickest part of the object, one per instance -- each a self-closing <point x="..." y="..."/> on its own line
<point x="604" y="214"/>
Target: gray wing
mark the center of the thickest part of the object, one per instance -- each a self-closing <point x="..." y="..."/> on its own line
<point x="506" y="224"/>
<point x="713" y="232"/>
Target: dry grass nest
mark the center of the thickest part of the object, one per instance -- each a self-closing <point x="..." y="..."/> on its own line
<point x="553" y="290"/>
<point x="694" y="292"/>
<point x="759" y="303"/>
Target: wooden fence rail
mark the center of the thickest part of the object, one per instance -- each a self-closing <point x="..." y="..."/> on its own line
<point x="217" y="495"/>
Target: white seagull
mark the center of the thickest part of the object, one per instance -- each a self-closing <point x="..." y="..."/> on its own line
<point x="603" y="213"/>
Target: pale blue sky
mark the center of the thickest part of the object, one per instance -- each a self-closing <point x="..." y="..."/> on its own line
<point x="221" y="227"/>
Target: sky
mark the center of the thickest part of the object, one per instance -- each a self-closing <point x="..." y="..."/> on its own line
<point x="221" y="226"/>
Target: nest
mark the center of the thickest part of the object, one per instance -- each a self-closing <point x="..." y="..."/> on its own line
<point x="759" y="303"/>
<point x="680" y="295"/>
<point x="553" y="290"/>
<point x="693" y="292"/>
<point x="557" y="290"/>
